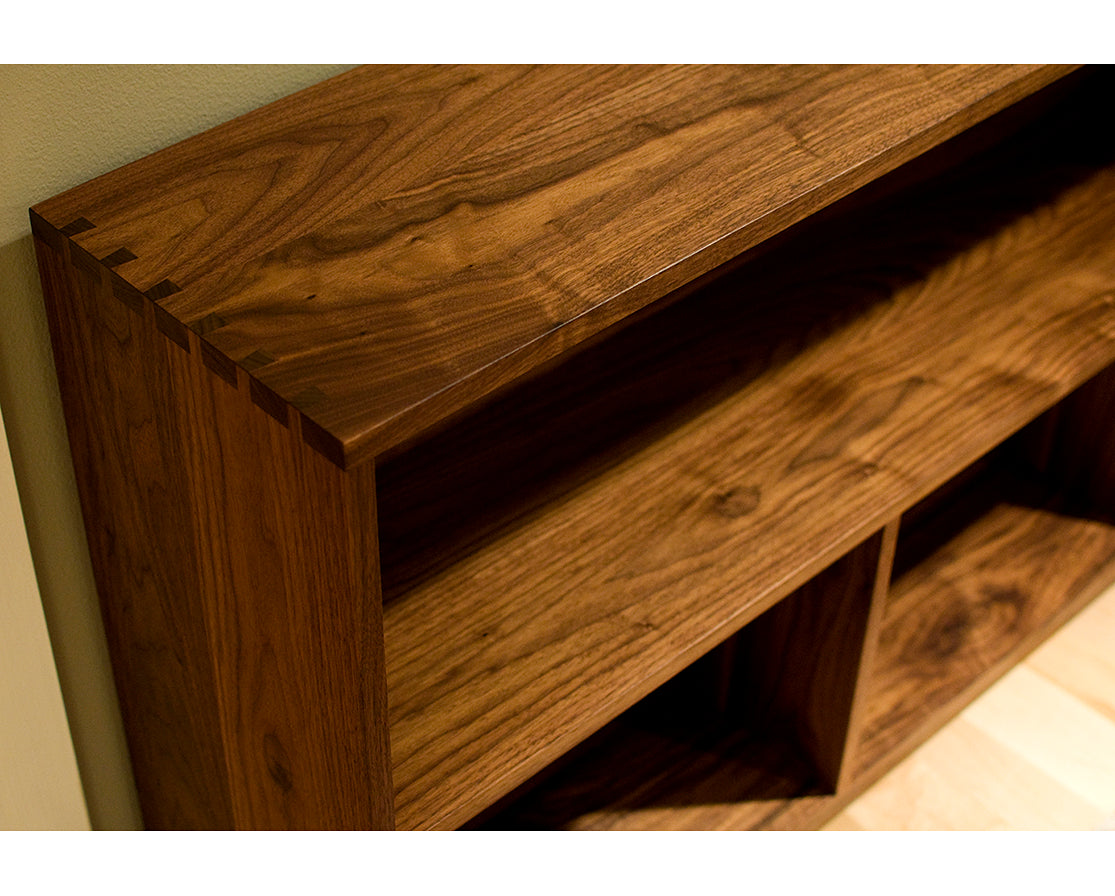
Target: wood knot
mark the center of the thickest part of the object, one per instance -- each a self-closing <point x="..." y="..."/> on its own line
<point x="819" y="395"/>
<point x="949" y="632"/>
<point x="645" y="130"/>
<point x="1007" y="602"/>
<point x="277" y="762"/>
<point x="737" y="502"/>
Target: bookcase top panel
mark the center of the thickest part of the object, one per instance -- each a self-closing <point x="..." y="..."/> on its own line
<point x="389" y="247"/>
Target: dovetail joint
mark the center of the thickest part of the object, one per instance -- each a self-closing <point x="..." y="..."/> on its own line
<point x="76" y="226"/>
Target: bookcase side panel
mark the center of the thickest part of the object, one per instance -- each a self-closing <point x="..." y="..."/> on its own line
<point x="237" y="572"/>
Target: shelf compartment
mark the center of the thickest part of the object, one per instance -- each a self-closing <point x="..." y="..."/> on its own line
<point x="987" y="567"/>
<point x="646" y="776"/>
<point x="823" y="402"/>
<point x="981" y="580"/>
<point x="751" y="735"/>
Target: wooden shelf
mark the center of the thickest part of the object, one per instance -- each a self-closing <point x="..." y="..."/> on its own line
<point x="714" y="747"/>
<point x="1015" y="567"/>
<point x="533" y="446"/>
<point x="805" y="427"/>
<point x="978" y="585"/>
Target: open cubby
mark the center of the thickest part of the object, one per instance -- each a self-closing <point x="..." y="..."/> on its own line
<point x="681" y="457"/>
<point x="987" y="572"/>
<point x="750" y="735"/>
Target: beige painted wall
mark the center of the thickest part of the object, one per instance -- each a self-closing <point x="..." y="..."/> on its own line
<point x="39" y="785"/>
<point x="60" y="126"/>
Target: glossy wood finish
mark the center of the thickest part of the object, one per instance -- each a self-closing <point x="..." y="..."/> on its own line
<point x="743" y="735"/>
<point x="1079" y="442"/>
<point x="906" y="331"/>
<point x="1014" y="569"/>
<point x="1032" y="753"/>
<point x="658" y="777"/>
<point x="806" y="656"/>
<point x="1005" y="562"/>
<point x="969" y="613"/>
<point x="431" y="423"/>
<point x="387" y="249"/>
<point x="238" y="566"/>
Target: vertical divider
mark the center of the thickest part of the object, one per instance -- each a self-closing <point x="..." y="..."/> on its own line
<point x="807" y="659"/>
<point x="869" y="643"/>
<point x="1080" y="445"/>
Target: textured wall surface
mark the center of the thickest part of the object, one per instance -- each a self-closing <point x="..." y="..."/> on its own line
<point x="61" y="126"/>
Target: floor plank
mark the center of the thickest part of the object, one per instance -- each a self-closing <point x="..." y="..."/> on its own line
<point x="964" y="779"/>
<point x="1081" y="658"/>
<point x="1055" y="731"/>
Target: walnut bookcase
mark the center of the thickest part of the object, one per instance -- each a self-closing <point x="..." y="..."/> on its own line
<point x="587" y="447"/>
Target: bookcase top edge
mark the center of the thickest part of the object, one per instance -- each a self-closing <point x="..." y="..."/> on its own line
<point x="391" y="246"/>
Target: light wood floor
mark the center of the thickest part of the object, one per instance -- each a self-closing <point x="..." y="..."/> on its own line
<point x="1035" y="752"/>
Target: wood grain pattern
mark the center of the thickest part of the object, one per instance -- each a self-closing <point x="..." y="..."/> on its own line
<point x="406" y="241"/>
<point x="1080" y="444"/>
<point x="651" y="770"/>
<point x="654" y="777"/>
<point x="806" y="655"/>
<point x="450" y="492"/>
<point x="1013" y="758"/>
<point x="178" y="755"/>
<point x="747" y="493"/>
<point x="237" y="574"/>
<point x="1012" y="572"/>
<point x="428" y="421"/>
<point x="737" y="739"/>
